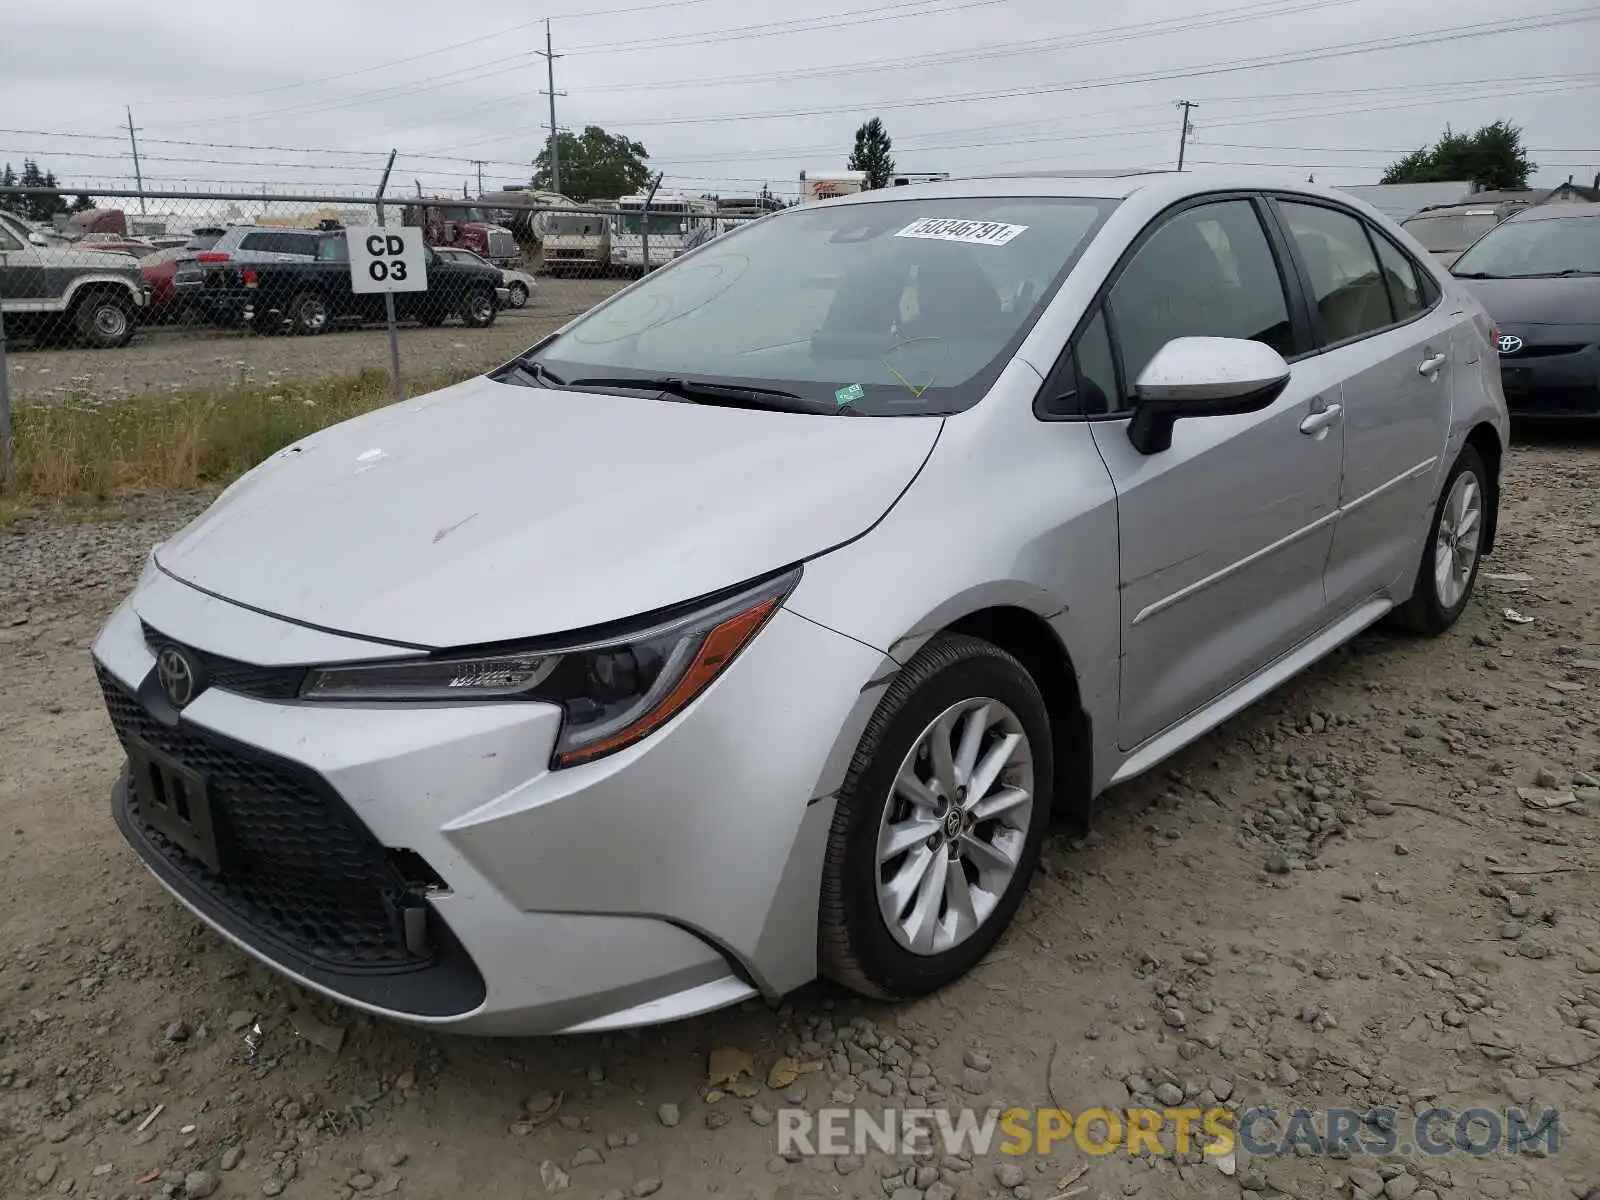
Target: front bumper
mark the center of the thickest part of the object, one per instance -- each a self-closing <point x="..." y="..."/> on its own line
<point x="670" y="879"/>
<point x="502" y="296"/>
<point x="1552" y="385"/>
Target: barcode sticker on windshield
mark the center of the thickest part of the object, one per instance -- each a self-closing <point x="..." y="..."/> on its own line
<point x="953" y="229"/>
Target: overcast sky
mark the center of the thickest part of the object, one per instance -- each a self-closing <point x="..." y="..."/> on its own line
<point x="727" y="95"/>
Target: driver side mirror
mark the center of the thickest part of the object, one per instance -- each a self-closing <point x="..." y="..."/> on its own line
<point x="1202" y="377"/>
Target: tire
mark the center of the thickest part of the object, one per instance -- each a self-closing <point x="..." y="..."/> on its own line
<point x="519" y="295"/>
<point x="308" y="314"/>
<point x="478" y="309"/>
<point x="1434" y="606"/>
<point x="105" y="319"/>
<point x="856" y="946"/>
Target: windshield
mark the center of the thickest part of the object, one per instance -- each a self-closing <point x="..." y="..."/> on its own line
<point x="905" y="307"/>
<point x="667" y="223"/>
<point x="461" y="212"/>
<point x="1548" y="246"/>
<point x="1449" y="231"/>
<point x="333" y="249"/>
<point x="577" y="225"/>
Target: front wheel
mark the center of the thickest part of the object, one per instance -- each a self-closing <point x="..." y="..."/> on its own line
<point x="939" y="822"/>
<point x="477" y="310"/>
<point x="519" y="295"/>
<point x="105" y="320"/>
<point x="1451" y="555"/>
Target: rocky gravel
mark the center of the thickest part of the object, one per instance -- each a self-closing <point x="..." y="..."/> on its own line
<point x="1373" y="890"/>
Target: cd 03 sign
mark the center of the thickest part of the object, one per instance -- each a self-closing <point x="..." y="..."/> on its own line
<point x="387" y="258"/>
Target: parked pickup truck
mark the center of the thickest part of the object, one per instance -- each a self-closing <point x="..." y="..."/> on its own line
<point x="311" y="296"/>
<point x="52" y="289"/>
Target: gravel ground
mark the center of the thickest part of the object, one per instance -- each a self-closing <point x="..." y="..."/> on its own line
<point x="164" y="358"/>
<point x="1373" y="889"/>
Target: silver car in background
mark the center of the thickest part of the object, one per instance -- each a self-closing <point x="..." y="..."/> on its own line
<point x="756" y="623"/>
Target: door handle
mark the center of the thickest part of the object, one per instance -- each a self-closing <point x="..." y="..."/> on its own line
<point x="1317" y="422"/>
<point x="1432" y="363"/>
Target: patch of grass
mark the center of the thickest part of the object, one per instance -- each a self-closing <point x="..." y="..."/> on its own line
<point x="81" y="450"/>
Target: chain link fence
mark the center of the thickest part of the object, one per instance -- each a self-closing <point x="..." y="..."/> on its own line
<point x="193" y="294"/>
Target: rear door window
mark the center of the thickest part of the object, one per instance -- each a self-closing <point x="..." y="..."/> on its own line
<point x="1347" y="288"/>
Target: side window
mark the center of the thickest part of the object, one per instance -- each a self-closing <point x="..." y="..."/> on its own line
<point x="1346" y="285"/>
<point x="1207" y="272"/>
<point x="256" y="241"/>
<point x="7" y="242"/>
<point x="1404" y="280"/>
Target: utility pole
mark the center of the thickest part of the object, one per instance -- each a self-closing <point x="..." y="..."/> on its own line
<point x="478" y="162"/>
<point x="138" y="176"/>
<point x="550" y="57"/>
<point x="1187" y="129"/>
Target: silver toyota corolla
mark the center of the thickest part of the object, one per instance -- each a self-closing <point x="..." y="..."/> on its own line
<point x="755" y="624"/>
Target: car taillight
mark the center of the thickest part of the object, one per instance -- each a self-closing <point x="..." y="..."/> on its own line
<point x="211" y="258"/>
<point x="251" y="278"/>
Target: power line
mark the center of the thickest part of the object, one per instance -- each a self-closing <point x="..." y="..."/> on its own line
<point x="1257" y="10"/>
<point x="1123" y="33"/>
<point x="473" y="41"/>
<point x="476" y="72"/>
<point x="765" y="29"/>
<point x="1335" y="50"/>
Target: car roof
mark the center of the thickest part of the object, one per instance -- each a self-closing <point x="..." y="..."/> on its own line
<point x="1163" y="186"/>
<point x="1560" y="208"/>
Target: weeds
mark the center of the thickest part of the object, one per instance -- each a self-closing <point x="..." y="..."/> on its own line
<point x="81" y="449"/>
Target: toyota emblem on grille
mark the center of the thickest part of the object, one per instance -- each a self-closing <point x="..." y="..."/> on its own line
<point x="1509" y="343"/>
<point x="177" y="676"/>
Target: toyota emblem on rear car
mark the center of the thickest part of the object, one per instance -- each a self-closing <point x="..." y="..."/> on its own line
<point x="1509" y="343"/>
<point x="176" y="676"/>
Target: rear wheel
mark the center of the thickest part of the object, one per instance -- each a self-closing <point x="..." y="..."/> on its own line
<point x="477" y="310"/>
<point x="105" y="319"/>
<point x="939" y="823"/>
<point x="309" y="314"/>
<point x="1450" y="557"/>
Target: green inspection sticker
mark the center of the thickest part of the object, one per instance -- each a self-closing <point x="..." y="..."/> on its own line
<point x="848" y="395"/>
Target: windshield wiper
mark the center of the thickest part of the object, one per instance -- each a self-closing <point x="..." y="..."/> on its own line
<point x="1475" y="275"/>
<point x="703" y="392"/>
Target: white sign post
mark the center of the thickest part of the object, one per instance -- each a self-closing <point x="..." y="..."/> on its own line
<point x="387" y="258"/>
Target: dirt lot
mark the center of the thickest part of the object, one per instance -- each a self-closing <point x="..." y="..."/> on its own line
<point x="167" y="358"/>
<point x="1374" y="889"/>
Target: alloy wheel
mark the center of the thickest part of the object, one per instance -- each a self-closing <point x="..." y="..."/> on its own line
<point x="953" y="832"/>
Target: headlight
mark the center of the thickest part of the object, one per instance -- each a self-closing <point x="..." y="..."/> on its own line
<point x="613" y="691"/>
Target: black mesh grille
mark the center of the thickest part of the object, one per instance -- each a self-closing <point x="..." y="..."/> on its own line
<point x="298" y="869"/>
<point x="231" y="675"/>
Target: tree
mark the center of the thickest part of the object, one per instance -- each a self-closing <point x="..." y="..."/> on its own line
<point x="871" y="154"/>
<point x="595" y="165"/>
<point x="1492" y="159"/>
<point x="32" y="208"/>
<point x="81" y="203"/>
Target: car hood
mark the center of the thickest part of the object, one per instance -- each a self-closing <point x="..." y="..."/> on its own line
<point x="490" y="512"/>
<point x="1571" y="301"/>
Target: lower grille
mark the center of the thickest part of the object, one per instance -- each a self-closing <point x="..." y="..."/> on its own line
<point x="296" y="870"/>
